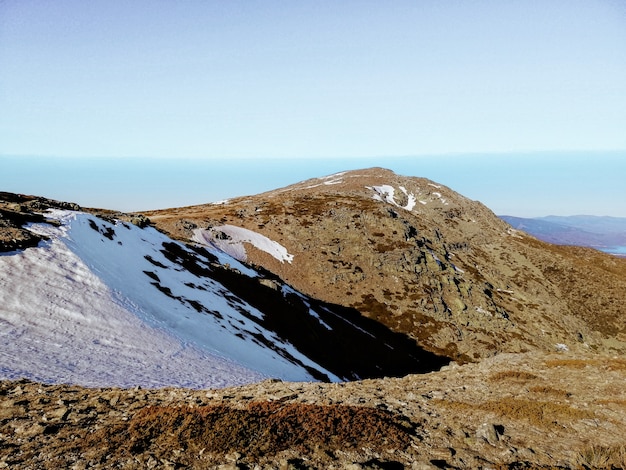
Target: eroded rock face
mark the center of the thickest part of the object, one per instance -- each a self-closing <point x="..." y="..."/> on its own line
<point x="532" y="410"/>
<point x="428" y="262"/>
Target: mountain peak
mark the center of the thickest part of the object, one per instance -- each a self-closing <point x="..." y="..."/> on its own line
<point x="417" y="257"/>
<point x="348" y="181"/>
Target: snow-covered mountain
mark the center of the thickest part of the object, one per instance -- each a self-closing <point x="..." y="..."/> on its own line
<point x="103" y="302"/>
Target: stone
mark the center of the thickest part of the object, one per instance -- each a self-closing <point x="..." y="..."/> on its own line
<point x="489" y="433"/>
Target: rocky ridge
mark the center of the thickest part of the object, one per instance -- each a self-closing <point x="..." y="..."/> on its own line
<point x="427" y="262"/>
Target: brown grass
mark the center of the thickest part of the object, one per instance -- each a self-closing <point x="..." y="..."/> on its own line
<point x="595" y="456"/>
<point x="571" y="363"/>
<point x="545" y="390"/>
<point x="613" y="402"/>
<point x="537" y="413"/>
<point x="263" y="428"/>
<point x="614" y="364"/>
<point x="512" y="375"/>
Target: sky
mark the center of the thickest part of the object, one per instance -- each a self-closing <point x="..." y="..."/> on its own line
<point x="493" y="95"/>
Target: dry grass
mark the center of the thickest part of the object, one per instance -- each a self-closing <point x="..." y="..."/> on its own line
<point x="616" y="364"/>
<point x="263" y="428"/>
<point x="512" y="375"/>
<point x="537" y="413"/>
<point x="617" y="402"/>
<point x="612" y="364"/>
<point x="546" y="390"/>
<point x="571" y="363"/>
<point x="596" y="456"/>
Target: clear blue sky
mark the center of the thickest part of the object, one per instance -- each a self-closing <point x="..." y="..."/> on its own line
<point x="362" y="81"/>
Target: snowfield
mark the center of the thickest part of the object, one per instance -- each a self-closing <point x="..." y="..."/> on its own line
<point x="109" y="304"/>
<point x="386" y="193"/>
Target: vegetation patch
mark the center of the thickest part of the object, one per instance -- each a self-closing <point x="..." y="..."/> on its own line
<point x="615" y="364"/>
<point x="538" y="413"/>
<point x="261" y="429"/>
<point x="546" y="390"/>
<point x="597" y="456"/>
<point x="618" y="402"/>
<point x="571" y="363"/>
<point x="512" y="375"/>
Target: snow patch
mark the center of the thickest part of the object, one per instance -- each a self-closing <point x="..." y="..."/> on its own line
<point x="387" y="193"/>
<point x="411" y="199"/>
<point x="230" y="239"/>
<point x="62" y="324"/>
<point x="336" y="178"/>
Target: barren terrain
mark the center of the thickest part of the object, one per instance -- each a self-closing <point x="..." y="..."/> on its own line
<point x="530" y="410"/>
<point x="427" y="262"/>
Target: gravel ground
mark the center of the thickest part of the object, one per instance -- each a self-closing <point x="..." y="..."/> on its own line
<point x="511" y="411"/>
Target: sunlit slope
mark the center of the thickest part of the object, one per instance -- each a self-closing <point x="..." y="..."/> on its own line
<point x="425" y="261"/>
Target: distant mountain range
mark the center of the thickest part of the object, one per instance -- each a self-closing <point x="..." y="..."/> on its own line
<point x="603" y="233"/>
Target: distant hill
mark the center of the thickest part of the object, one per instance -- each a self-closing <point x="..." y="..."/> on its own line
<point x="603" y="233"/>
<point x="421" y="259"/>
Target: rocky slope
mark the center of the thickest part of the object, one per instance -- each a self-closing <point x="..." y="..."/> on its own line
<point x="425" y="261"/>
<point x="522" y="411"/>
<point x="105" y="302"/>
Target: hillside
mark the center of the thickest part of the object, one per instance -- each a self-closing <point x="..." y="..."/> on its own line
<point x="423" y="260"/>
<point x="88" y="298"/>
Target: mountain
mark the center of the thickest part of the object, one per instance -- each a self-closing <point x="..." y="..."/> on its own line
<point x="91" y="299"/>
<point x="421" y="259"/>
<point x="603" y="233"/>
<point x="362" y="274"/>
<point x="592" y="223"/>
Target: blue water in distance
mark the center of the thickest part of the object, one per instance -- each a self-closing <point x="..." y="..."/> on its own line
<point x="615" y="250"/>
